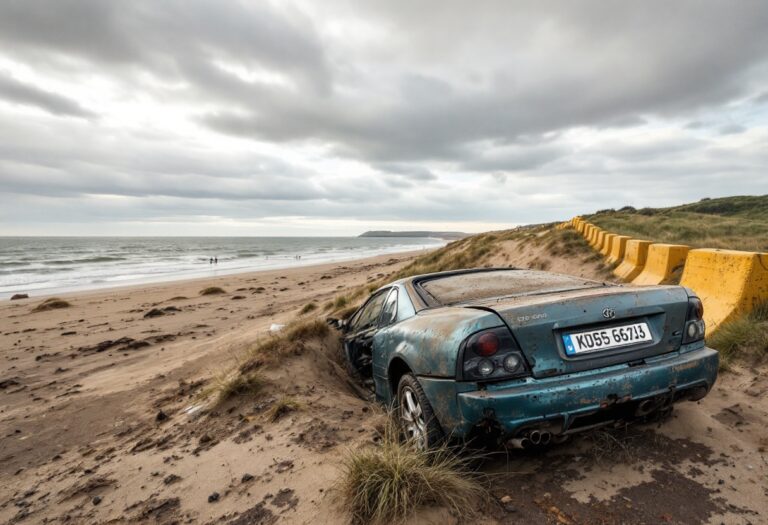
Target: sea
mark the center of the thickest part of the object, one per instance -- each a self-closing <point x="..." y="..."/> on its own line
<point x="49" y="265"/>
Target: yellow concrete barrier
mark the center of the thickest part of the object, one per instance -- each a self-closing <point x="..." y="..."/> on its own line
<point x="599" y="238"/>
<point x="729" y="282"/>
<point x="663" y="264"/>
<point x="618" y="247"/>
<point x="635" y="255"/>
<point x="588" y="231"/>
<point x="605" y="249"/>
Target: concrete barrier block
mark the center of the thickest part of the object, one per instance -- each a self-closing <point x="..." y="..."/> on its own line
<point x="618" y="247"/>
<point x="605" y="249"/>
<point x="588" y="231"/>
<point x="595" y="235"/>
<point x="663" y="264"/>
<point x="599" y="238"/>
<point x="729" y="282"/>
<point x="635" y="255"/>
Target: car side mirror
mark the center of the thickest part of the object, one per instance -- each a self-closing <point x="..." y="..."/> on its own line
<point x="338" y="324"/>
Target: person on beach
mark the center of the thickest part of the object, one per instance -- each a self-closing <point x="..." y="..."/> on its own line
<point x="215" y="260"/>
<point x="211" y="260"/>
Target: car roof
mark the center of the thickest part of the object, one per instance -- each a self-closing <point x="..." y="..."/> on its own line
<point x="467" y="286"/>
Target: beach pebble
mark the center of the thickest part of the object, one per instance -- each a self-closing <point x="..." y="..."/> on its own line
<point x="213" y="497"/>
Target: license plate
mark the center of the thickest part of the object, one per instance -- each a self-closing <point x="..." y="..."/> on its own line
<point x="606" y="338"/>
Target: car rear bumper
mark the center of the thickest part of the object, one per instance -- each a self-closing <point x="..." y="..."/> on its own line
<point x="576" y="402"/>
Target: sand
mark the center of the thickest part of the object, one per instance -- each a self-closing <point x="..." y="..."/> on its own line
<point x="100" y="421"/>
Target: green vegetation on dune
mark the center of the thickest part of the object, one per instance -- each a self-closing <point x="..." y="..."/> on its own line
<point x="387" y="482"/>
<point x="737" y="223"/>
<point x="743" y="339"/>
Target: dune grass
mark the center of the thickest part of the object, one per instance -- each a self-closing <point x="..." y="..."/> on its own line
<point x="227" y="386"/>
<point x="290" y="341"/>
<point x="283" y="406"/>
<point x="307" y="308"/>
<point x="54" y="303"/>
<point x="387" y="482"/>
<point x="737" y="223"/>
<point x="212" y="290"/>
<point x="742" y="339"/>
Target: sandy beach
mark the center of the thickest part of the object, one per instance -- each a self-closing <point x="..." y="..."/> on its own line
<point x="101" y="419"/>
<point x="82" y="388"/>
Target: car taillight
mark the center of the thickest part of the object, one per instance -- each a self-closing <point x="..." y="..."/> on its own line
<point x="695" y="328"/>
<point x="491" y="355"/>
<point x="486" y="344"/>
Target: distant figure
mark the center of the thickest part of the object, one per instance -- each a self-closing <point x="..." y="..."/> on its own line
<point x="211" y="260"/>
<point x="215" y="260"/>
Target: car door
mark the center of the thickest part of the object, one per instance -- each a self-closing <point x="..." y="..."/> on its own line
<point x="362" y="328"/>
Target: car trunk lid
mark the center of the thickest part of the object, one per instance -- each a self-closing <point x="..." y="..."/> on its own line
<point x="539" y="322"/>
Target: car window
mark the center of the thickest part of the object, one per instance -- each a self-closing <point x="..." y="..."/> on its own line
<point x="369" y="315"/>
<point x="389" y="310"/>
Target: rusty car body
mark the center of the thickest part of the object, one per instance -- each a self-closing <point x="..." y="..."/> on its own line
<point x="526" y="357"/>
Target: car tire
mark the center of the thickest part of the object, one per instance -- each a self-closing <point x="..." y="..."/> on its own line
<point x="415" y="415"/>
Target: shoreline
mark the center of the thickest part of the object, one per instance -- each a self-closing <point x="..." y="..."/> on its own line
<point x="216" y="273"/>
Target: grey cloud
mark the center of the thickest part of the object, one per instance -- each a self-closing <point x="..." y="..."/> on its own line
<point x="732" y="129"/>
<point x="26" y="94"/>
<point x="158" y="36"/>
<point x="478" y="104"/>
<point x="413" y="172"/>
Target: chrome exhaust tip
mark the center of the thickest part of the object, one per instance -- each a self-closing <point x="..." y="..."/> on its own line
<point x="535" y="437"/>
<point x="523" y="442"/>
<point x="546" y="437"/>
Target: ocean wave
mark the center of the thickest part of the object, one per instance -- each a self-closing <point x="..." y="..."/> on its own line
<point x="87" y="260"/>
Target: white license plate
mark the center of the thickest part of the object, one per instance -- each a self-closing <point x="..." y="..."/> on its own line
<point x="606" y="338"/>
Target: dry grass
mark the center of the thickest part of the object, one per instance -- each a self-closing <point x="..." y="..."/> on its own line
<point x="737" y="223"/>
<point x="309" y="307"/>
<point x="387" y="482"/>
<point x="745" y="338"/>
<point x="235" y="384"/>
<point x="340" y="302"/>
<point x="54" y="303"/>
<point x="212" y="290"/>
<point x="283" y="406"/>
<point x="291" y="341"/>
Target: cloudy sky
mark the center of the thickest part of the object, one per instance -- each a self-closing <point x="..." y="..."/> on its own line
<point x="194" y="117"/>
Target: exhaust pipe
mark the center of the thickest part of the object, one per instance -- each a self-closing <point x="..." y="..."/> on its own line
<point x="535" y="437"/>
<point x="523" y="442"/>
<point x="645" y="407"/>
<point x="546" y="437"/>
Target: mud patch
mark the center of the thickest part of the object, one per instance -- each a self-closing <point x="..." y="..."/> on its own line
<point x="257" y="515"/>
<point x="319" y="436"/>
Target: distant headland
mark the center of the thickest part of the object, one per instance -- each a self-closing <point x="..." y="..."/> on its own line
<point x="437" y="235"/>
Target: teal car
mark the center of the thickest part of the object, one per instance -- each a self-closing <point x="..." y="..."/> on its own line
<point x="524" y="358"/>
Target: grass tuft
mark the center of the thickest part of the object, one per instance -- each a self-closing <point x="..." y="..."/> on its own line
<point x="228" y="386"/>
<point x="744" y="338"/>
<point x="387" y="482"/>
<point x="54" y="303"/>
<point x="309" y="307"/>
<point x="212" y="290"/>
<point x="283" y="406"/>
<point x="340" y="302"/>
<point x="291" y="341"/>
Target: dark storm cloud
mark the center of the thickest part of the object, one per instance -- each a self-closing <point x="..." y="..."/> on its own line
<point x="546" y="104"/>
<point x="610" y="64"/>
<point x="162" y="36"/>
<point x="28" y="95"/>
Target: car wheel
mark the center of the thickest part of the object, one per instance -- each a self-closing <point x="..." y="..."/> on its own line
<point x="417" y="420"/>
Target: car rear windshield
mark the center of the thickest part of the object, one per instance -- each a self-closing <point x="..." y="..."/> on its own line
<point x="484" y="285"/>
